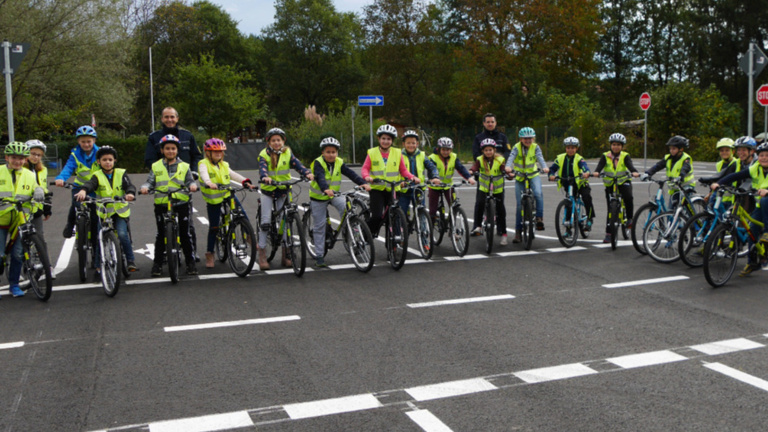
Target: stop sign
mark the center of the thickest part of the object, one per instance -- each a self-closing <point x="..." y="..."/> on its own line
<point x="762" y="95"/>
<point x="645" y="101"/>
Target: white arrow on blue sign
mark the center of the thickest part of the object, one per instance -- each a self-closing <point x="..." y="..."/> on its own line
<point x="370" y="101"/>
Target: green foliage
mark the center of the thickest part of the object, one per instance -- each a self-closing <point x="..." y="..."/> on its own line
<point x="574" y="115"/>
<point x="130" y="151"/>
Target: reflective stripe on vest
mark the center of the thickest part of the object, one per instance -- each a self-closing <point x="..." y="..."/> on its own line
<point x="385" y="171"/>
<point x="164" y="182"/>
<point x="560" y="162"/>
<point x="486" y="174"/>
<point x="674" y="171"/>
<point x="420" y="157"/>
<point x="82" y="172"/>
<point x="114" y="189"/>
<point x="610" y="173"/>
<point x="444" y="172"/>
<point x="219" y="175"/>
<point x="282" y="172"/>
<point x="526" y="164"/>
<point x="333" y="179"/>
<point x="22" y="190"/>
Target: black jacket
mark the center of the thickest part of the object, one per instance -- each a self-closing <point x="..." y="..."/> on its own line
<point x="502" y="143"/>
<point x="188" y="151"/>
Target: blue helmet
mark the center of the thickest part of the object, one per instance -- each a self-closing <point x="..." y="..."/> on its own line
<point x="527" y="132"/>
<point x="746" y="141"/>
<point x="85" y="131"/>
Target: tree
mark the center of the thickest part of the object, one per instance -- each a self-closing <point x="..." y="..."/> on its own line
<point x="214" y="97"/>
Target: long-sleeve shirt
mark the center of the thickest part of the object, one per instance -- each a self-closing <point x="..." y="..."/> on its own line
<point x="294" y="163"/>
<point x="366" y="170"/>
<point x="172" y="168"/>
<point x="458" y="166"/>
<point x="737" y="176"/>
<point x="319" y="172"/>
<point x="428" y="164"/>
<point x="93" y="184"/>
<point x="189" y="152"/>
<point x="627" y="162"/>
<point x="205" y="177"/>
<point x="513" y="155"/>
<point x="568" y="167"/>
<point x="88" y="159"/>
<point x="662" y="164"/>
<point x="502" y="143"/>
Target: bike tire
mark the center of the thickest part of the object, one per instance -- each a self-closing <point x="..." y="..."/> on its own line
<point x="489" y="224"/>
<point x="81" y="242"/>
<point x="361" y="209"/>
<point x="639" y="222"/>
<point x="528" y="222"/>
<point x="241" y="247"/>
<point x="438" y="226"/>
<point x="661" y="237"/>
<point x="309" y="233"/>
<point x="37" y="264"/>
<point x="397" y="237"/>
<point x="360" y="245"/>
<point x="694" y="234"/>
<point x="721" y="253"/>
<point x="624" y="220"/>
<point x="613" y="223"/>
<point x="220" y="249"/>
<point x="296" y="244"/>
<point x="459" y="230"/>
<point x="565" y="228"/>
<point x="172" y="250"/>
<point x="111" y="263"/>
<point x="424" y="233"/>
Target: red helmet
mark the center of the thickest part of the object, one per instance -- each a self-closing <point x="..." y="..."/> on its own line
<point x="214" y="144"/>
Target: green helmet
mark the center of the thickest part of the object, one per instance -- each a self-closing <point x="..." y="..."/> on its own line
<point x="17" y="148"/>
<point x="725" y="142"/>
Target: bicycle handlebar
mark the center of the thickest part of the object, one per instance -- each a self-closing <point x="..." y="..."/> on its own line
<point x="290" y="182"/>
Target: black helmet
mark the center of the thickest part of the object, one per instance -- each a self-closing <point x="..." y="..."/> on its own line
<point x="106" y="150"/>
<point x="678" y="141"/>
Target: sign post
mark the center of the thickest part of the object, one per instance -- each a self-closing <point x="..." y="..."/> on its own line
<point x="645" y="103"/>
<point x="370" y="102"/>
<point x="752" y="63"/>
<point x="762" y="99"/>
<point x="353" y="135"/>
<point x="13" y="53"/>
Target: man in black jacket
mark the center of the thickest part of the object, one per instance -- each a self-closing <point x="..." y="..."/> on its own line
<point x="502" y="147"/>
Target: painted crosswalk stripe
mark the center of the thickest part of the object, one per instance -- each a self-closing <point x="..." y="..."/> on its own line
<point x="65" y="255"/>
<point x="646" y="359"/>
<point x="331" y="406"/>
<point x="214" y="422"/>
<point x="450" y="389"/>
<point x="10" y="345"/>
<point x="565" y="249"/>
<point x="517" y="253"/>
<point x="460" y="301"/>
<point x="555" y="373"/>
<point x="232" y="323"/>
<point x="427" y="421"/>
<point x="645" y="282"/>
<point x="727" y="346"/>
<point x="738" y="375"/>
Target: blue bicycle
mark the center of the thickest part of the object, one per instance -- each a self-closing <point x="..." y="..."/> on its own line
<point x="645" y="212"/>
<point x="571" y="216"/>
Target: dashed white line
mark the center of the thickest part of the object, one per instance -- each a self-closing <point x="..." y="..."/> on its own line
<point x="727" y="346"/>
<point x="646" y="359"/>
<point x="232" y="323"/>
<point x="738" y="375"/>
<point x="450" y="389"/>
<point x="427" y="421"/>
<point x="555" y="373"/>
<point x="10" y="345"/>
<point x="214" y="422"/>
<point x="565" y="249"/>
<point x="331" y="406"/>
<point x="645" y="282"/>
<point x="460" y="301"/>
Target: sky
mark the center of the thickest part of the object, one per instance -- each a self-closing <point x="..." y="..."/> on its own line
<point x="254" y="15"/>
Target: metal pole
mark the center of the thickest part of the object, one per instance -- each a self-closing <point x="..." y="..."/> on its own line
<point x="353" y="134"/>
<point x="151" y="92"/>
<point x="370" y="116"/>
<point x="645" y="142"/>
<point x="751" y="88"/>
<point x="765" y="125"/>
<point x="8" y="90"/>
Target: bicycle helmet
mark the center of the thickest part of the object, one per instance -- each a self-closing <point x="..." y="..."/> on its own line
<point x="527" y="132"/>
<point x="169" y="139"/>
<point x="445" y="142"/>
<point x="274" y="131"/>
<point x="488" y="142"/>
<point x="745" y="141"/>
<point x="411" y="133"/>
<point x="85" y="131"/>
<point x="214" y="144"/>
<point x="16" y="148"/>
<point x="387" y="129"/>
<point x="617" y="137"/>
<point x="678" y="141"/>
<point x="106" y="150"/>
<point x="36" y="144"/>
<point x="571" y="141"/>
<point x="725" y="142"/>
<point x="330" y="141"/>
<point x="761" y="148"/>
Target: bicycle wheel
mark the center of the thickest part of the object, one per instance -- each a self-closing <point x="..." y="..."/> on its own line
<point x="567" y="233"/>
<point x="640" y="220"/>
<point x="36" y="265"/>
<point x="424" y="233"/>
<point x="296" y="244"/>
<point x="489" y="224"/>
<point x="459" y="230"/>
<point x="309" y="232"/>
<point x="397" y="237"/>
<point x="694" y="233"/>
<point x="661" y="237"/>
<point x="528" y="222"/>
<point x="111" y="263"/>
<point x="438" y="226"/>
<point x="361" y="209"/>
<point x="172" y="250"/>
<point x="220" y="246"/>
<point x="81" y="242"/>
<point x="241" y="247"/>
<point x="613" y="223"/>
<point x="721" y="252"/>
<point x="359" y="242"/>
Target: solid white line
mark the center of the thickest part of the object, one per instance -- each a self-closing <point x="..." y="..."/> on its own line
<point x="427" y="421"/>
<point x="450" y="389"/>
<point x="646" y="359"/>
<point x="618" y="244"/>
<point x="555" y="373"/>
<point x="727" y="346"/>
<point x="341" y="266"/>
<point x="460" y="301"/>
<point x="466" y="257"/>
<point x="10" y="345"/>
<point x="64" y="255"/>
<point x="331" y="406"/>
<point x="517" y="253"/>
<point x="217" y="276"/>
<point x="738" y="375"/>
<point x="565" y="249"/>
<point x="214" y="422"/>
<point x="232" y="323"/>
<point x="645" y="282"/>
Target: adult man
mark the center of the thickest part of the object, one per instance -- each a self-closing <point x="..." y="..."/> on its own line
<point x="502" y="147"/>
<point x="188" y="151"/>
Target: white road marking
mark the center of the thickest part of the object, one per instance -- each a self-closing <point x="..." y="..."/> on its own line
<point x="646" y="359"/>
<point x="466" y="257"/>
<point x="555" y="373"/>
<point x="427" y="421"/>
<point x="10" y="345"/>
<point x="460" y="301"/>
<point x="645" y="282"/>
<point x="738" y="375"/>
<point x="331" y="406"/>
<point x="564" y="249"/>
<point x="727" y="346"/>
<point x="450" y="389"/>
<point x="618" y="244"/>
<point x="203" y="220"/>
<point x="231" y="323"/>
<point x="214" y="422"/>
<point x="65" y="255"/>
<point x="517" y="253"/>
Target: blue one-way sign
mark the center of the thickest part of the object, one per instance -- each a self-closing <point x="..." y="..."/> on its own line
<point x="370" y="101"/>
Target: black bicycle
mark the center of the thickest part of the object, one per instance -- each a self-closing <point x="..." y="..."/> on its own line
<point x="235" y="239"/>
<point x="286" y="229"/>
<point x="452" y="221"/>
<point x="527" y="208"/>
<point x="84" y="244"/>
<point x="35" y="265"/>
<point x="111" y="254"/>
<point x="617" y="211"/>
<point x="418" y="220"/>
<point x="173" y="250"/>
<point x="395" y="227"/>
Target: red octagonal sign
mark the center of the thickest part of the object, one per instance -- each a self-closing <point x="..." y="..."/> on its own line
<point x="762" y="95"/>
<point x="645" y="101"/>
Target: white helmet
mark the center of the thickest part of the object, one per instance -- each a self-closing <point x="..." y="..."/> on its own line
<point x="571" y="141"/>
<point x="36" y="144"/>
<point x="330" y="141"/>
<point x="410" y="133"/>
<point x="445" y="142"/>
<point x="617" y="137"/>
<point x="387" y="129"/>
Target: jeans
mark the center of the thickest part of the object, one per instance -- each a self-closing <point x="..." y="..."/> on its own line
<point x="121" y="227"/>
<point x="267" y="203"/>
<point x="538" y="196"/>
<point x="319" y="216"/>
<point x="15" y="270"/>
<point x="405" y="199"/>
<point x="214" y="218"/>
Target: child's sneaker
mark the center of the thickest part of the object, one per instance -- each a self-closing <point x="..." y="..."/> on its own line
<point x="16" y="291"/>
<point x="749" y="269"/>
<point x="132" y="267"/>
<point x="191" y="269"/>
<point x="607" y="238"/>
<point x="503" y="239"/>
<point x="68" y="230"/>
<point x="157" y="270"/>
<point x="320" y="262"/>
<point x="477" y="232"/>
<point x="539" y="224"/>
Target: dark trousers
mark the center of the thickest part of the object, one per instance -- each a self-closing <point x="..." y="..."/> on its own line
<point x="434" y="200"/>
<point x="378" y="200"/>
<point x="183" y="212"/>
<point x="625" y="191"/>
<point x="501" y="211"/>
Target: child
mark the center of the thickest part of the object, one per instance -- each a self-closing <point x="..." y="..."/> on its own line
<point x="327" y="170"/>
<point x="524" y="156"/>
<point x="386" y="163"/>
<point x="726" y="165"/>
<point x="571" y="164"/>
<point x="35" y="164"/>
<point x="19" y="184"/>
<point x="215" y="172"/>
<point x="446" y="162"/>
<point x="490" y="164"/>
<point x="678" y="164"/>
<point x="82" y="164"/>
<point x="111" y="182"/>
<point x="171" y="173"/>
<point x="616" y="162"/>
<point x="415" y="162"/>
<point x="275" y="163"/>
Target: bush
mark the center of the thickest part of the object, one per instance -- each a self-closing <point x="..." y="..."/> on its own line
<point x="130" y="151"/>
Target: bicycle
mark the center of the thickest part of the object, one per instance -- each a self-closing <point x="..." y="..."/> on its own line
<point x="286" y="229"/>
<point x="453" y="221"/>
<point x="645" y="212"/>
<point x="571" y="216"/>
<point x="173" y="250"/>
<point x="528" y="208"/>
<point x="395" y="227"/>
<point x="661" y="235"/>
<point x="723" y="247"/>
<point x="34" y="257"/>
<point x="235" y="240"/>
<point x="111" y="254"/>
<point x="418" y="220"/>
<point x="83" y="241"/>
<point x="357" y="237"/>
<point x="617" y="211"/>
